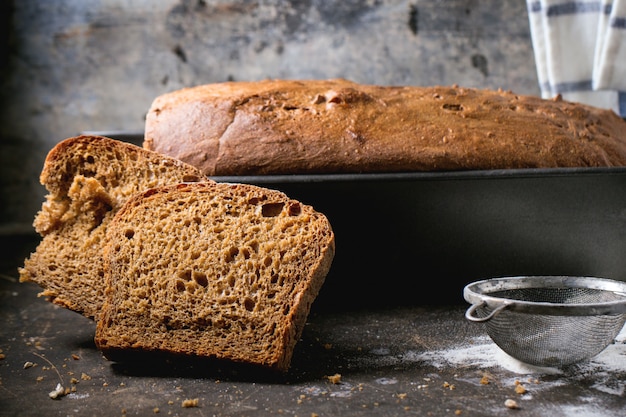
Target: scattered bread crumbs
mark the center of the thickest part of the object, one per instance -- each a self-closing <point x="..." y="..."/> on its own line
<point x="484" y="380"/>
<point x="314" y="415"/>
<point x="58" y="392"/>
<point x="335" y="379"/>
<point x="328" y="346"/>
<point x="519" y="388"/>
<point x="458" y="412"/>
<point x="85" y="377"/>
<point x="28" y="364"/>
<point x="448" y="385"/>
<point x="170" y="402"/>
<point x="75" y="356"/>
<point x="2" y="356"/>
<point x="511" y="404"/>
<point x="155" y="410"/>
<point x="39" y="378"/>
<point x="74" y="381"/>
<point x="189" y="403"/>
<point x="402" y="396"/>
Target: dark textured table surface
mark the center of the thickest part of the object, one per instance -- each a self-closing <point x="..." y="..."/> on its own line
<point x="410" y="360"/>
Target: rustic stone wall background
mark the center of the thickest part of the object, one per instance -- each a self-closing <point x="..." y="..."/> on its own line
<point x="73" y="65"/>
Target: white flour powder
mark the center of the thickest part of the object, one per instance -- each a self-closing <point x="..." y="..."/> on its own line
<point x="482" y="352"/>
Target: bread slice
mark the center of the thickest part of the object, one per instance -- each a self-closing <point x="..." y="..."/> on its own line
<point x="88" y="178"/>
<point x="213" y="270"/>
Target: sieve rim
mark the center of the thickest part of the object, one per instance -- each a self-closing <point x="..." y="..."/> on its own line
<point x="478" y="294"/>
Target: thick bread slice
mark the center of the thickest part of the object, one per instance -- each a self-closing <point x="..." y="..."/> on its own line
<point x="335" y="126"/>
<point x="213" y="270"/>
<point x="88" y="179"/>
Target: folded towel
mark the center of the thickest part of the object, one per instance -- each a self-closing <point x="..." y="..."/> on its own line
<point x="610" y="65"/>
<point x="538" y="38"/>
<point x="580" y="50"/>
<point x="600" y="50"/>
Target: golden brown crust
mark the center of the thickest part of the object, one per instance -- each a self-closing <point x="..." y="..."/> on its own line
<point x="335" y="126"/>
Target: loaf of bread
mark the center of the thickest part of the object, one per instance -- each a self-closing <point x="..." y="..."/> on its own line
<point x="212" y="270"/>
<point x="337" y="126"/>
<point x="88" y="178"/>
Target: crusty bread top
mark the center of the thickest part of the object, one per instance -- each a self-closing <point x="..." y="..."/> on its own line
<point x="334" y="126"/>
<point x="88" y="179"/>
<point x="225" y="271"/>
<point x="120" y="170"/>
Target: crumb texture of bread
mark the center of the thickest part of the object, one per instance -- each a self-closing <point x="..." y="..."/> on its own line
<point x="338" y="126"/>
<point x="217" y="270"/>
<point x="88" y="178"/>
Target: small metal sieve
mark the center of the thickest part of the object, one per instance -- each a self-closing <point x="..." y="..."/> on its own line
<point x="549" y="320"/>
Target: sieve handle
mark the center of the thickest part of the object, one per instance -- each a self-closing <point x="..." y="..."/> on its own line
<point x="469" y="314"/>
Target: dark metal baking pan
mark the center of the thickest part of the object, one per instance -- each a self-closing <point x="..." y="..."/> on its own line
<point x="420" y="237"/>
<point x="407" y="238"/>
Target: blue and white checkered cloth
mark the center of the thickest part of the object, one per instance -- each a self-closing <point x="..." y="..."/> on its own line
<point x="580" y="50"/>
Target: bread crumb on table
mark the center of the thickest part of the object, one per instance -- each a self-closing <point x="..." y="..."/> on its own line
<point x="58" y="392"/>
<point x="335" y="379"/>
<point x="449" y="386"/>
<point x="189" y="403"/>
<point x="511" y="404"/>
<point x="519" y="388"/>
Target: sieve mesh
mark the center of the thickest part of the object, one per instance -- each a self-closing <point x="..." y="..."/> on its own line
<point x="546" y="340"/>
<point x="552" y="338"/>
<point x="561" y="295"/>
